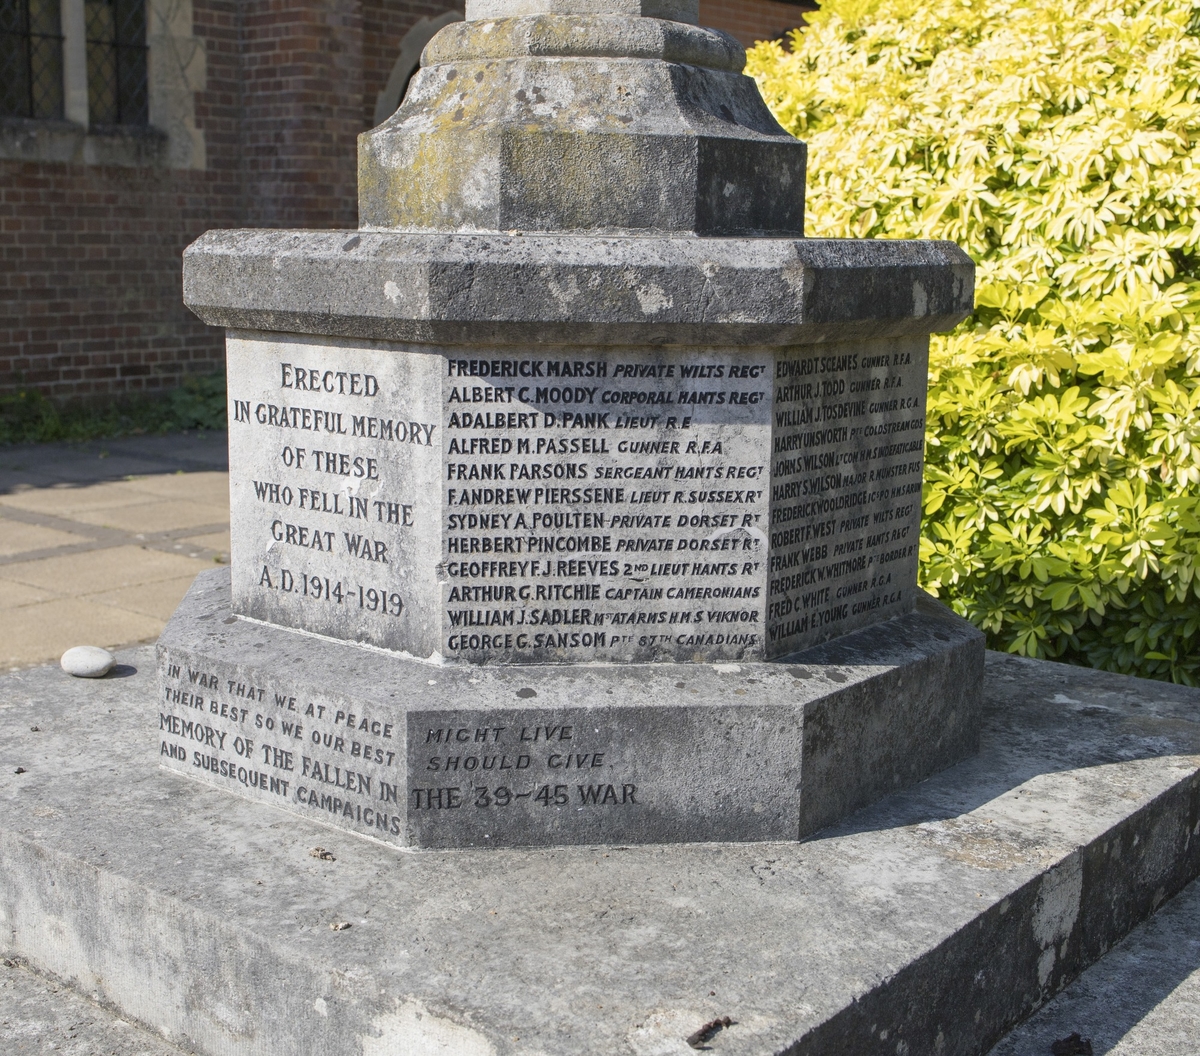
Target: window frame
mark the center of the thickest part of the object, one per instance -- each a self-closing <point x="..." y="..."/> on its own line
<point x="176" y="72"/>
<point x="30" y="36"/>
<point x="111" y="55"/>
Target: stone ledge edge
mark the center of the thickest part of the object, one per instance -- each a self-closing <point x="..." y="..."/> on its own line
<point x="476" y="288"/>
<point x="56" y="906"/>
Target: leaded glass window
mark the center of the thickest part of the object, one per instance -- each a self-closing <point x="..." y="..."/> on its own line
<point x="116" y="62"/>
<point x="31" y="59"/>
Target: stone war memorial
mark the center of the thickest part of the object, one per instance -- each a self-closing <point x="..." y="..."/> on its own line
<point x="577" y="467"/>
<point x="570" y="691"/>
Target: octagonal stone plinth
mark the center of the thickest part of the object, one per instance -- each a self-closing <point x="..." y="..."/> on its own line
<point x="575" y="497"/>
<point x="501" y="756"/>
<point x="564" y="500"/>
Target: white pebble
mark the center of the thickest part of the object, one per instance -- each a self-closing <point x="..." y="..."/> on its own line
<point x="87" y="661"/>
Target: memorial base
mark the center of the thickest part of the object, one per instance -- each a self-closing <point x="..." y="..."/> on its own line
<point x="929" y="922"/>
<point x="461" y="755"/>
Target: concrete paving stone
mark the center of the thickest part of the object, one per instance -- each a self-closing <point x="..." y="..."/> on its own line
<point x="43" y="631"/>
<point x="199" y="498"/>
<point x="87" y="538"/>
<point x="19" y="538"/>
<point x="96" y="571"/>
<point x="163" y="515"/>
<point x="210" y="487"/>
<point x="1142" y="999"/>
<point x="215" y="541"/>
<point x="158" y="599"/>
<point x="70" y="500"/>
<point x="16" y="595"/>
<point x="39" y="1015"/>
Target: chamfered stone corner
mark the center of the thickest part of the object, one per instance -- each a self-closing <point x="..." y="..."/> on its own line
<point x="441" y="756"/>
<point x="676" y="10"/>
<point x="478" y="146"/>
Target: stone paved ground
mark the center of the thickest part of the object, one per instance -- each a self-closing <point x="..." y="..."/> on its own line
<point x="39" y="1016"/>
<point x="99" y="541"/>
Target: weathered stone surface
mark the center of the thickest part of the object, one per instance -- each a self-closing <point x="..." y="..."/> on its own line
<point x="939" y="916"/>
<point x="589" y="36"/>
<point x="40" y="1015"/>
<point x="610" y="504"/>
<point x="87" y="661"/>
<point x="563" y="290"/>
<point x="421" y="755"/>
<point x="544" y="423"/>
<point x="677" y="10"/>
<point x="577" y="121"/>
<point x="1142" y="999"/>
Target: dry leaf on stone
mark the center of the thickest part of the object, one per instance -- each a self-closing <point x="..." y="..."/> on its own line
<point x="708" y="1031"/>
<point x="1073" y="1045"/>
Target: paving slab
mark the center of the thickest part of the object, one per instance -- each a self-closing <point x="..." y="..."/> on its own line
<point x="23" y="539"/>
<point x="53" y="626"/>
<point x="121" y="566"/>
<point x="93" y="461"/>
<point x="99" y="541"/>
<point x="930" y="922"/>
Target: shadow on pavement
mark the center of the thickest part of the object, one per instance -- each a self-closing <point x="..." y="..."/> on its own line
<point x="95" y="461"/>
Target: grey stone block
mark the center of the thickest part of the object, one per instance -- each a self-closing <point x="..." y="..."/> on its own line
<point x="1141" y="999"/>
<point x="593" y="120"/>
<point x="636" y="505"/>
<point x="931" y="921"/>
<point x="589" y="36"/>
<point x="679" y="10"/>
<point x="565" y="290"/>
<point x="458" y="756"/>
<point x="39" y="1015"/>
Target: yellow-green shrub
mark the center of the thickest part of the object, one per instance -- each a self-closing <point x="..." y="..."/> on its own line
<point x="1058" y="142"/>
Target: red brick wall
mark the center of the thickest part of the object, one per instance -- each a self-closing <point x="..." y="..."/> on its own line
<point x="302" y="99"/>
<point x="89" y="279"/>
<point x="90" y="293"/>
<point x="90" y="300"/>
<point x="384" y="24"/>
<point x="753" y="20"/>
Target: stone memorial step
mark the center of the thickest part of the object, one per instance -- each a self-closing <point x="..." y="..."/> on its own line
<point x="525" y="755"/>
<point x="930" y="921"/>
<point x="577" y="413"/>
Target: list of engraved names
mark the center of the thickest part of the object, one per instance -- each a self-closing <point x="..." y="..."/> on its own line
<point x="607" y="505"/>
